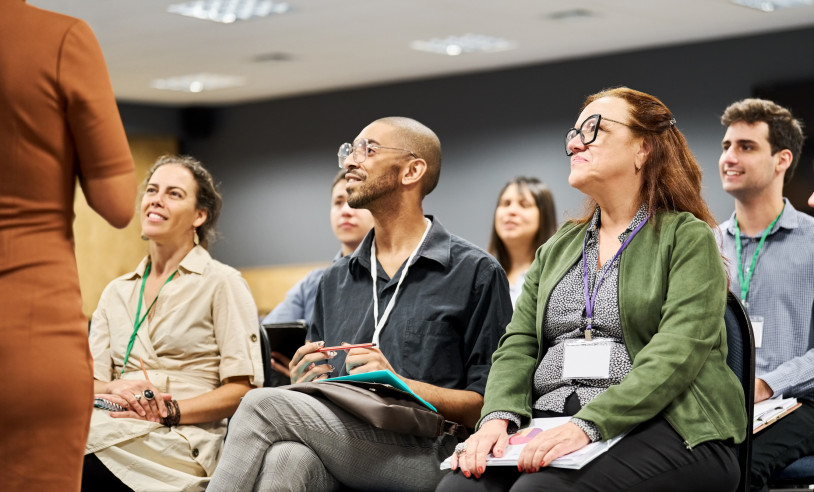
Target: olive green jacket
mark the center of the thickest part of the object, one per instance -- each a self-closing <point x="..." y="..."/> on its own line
<point x="672" y="297"/>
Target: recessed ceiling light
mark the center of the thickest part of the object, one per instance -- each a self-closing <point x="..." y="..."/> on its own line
<point x="197" y="82"/>
<point x="228" y="11"/>
<point x="274" y="56"/>
<point x="772" y="5"/>
<point x="458" y="45"/>
<point x="570" y="14"/>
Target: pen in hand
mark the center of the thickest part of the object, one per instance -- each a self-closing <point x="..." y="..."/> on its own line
<point x="347" y="347"/>
<point x="144" y="369"/>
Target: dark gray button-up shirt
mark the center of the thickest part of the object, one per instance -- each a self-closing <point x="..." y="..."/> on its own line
<point x="449" y="315"/>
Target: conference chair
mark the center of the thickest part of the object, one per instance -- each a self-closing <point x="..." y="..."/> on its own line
<point x="741" y="359"/>
<point x="265" y="352"/>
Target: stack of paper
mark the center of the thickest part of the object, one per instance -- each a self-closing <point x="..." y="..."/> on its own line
<point x="575" y="460"/>
<point x="768" y="412"/>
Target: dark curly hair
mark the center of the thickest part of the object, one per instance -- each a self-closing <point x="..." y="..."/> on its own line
<point x="207" y="198"/>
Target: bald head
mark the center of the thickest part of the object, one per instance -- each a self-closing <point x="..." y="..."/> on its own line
<point x="423" y="142"/>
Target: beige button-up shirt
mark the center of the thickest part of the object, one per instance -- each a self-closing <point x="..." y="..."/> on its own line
<point x="203" y="330"/>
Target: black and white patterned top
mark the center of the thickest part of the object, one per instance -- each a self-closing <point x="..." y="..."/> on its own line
<point x="565" y="320"/>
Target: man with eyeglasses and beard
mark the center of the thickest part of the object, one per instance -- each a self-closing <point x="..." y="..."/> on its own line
<point x="435" y="306"/>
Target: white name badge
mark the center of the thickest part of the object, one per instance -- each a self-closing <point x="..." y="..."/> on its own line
<point x="757" y="329"/>
<point x="583" y="359"/>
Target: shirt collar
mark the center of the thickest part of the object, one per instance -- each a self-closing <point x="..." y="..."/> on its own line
<point x="789" y="219"/>
<point x="436" y="247"/>
<point x="194" y="262"/>
<point x="641" y="214"/>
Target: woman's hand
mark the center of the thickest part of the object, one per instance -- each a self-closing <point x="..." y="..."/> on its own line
<point x="131" y="391"/>
<point x="128" y="413"/>
<point x="491" y="436"/>
<point x="304" y="367"/>
<point x="550" y="445"/>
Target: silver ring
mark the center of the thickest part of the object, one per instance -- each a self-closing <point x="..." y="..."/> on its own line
<point x="149" y="395"/>
<point x="460" y="448"/>
<point x="137" y="396"/>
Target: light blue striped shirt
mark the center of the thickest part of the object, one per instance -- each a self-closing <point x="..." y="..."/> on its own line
<point x="782" y="292"/>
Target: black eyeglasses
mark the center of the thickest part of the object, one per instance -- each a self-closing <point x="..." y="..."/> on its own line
<point x="587" y="131"/>
<point x="360" y="150"/>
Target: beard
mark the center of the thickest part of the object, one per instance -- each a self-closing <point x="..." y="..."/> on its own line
<point x="368" y="191"/>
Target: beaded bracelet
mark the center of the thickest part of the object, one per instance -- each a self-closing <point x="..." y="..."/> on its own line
<point x="173" y="414"/>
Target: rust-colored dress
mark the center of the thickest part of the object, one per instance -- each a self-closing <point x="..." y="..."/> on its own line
<point x="58" y="121"/>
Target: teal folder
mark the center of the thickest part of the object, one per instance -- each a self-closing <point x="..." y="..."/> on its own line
<point x="383" y="377"/>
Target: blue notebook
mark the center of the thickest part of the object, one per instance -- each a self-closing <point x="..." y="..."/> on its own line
<point x="383" y="377"/>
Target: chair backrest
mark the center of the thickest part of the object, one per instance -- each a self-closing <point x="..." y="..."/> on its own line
<point x="265" y="351"/>
<point x="741" y="359"/>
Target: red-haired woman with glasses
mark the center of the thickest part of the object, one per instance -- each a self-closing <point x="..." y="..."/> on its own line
<point x="619" y="327"/>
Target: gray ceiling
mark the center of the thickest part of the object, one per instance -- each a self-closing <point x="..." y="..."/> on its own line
<point x="324" y="45"/>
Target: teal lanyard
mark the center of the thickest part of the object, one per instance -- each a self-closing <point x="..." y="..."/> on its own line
<point x="745" y="280"/>
<point x="138" y="322"/>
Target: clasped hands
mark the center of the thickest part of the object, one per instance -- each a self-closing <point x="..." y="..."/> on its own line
<point x="129" y="393"/>
<point x="304" y="365"/>
<point x="539" y="452"/>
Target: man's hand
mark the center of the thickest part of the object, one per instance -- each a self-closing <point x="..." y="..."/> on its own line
<point x="762" y="390"/>
<point x="304" y="367"/>
<point x="361" y="360"/>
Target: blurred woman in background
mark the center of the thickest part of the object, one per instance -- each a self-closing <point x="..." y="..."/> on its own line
<point x="525" y="217"/>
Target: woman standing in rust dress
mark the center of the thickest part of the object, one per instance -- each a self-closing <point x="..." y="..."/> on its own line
<point x="58" y="122"/>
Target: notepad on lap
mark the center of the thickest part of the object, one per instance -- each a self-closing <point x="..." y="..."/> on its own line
<point x="517" y="441"/>
<point x="768" y="412"/>
<point x="383" y="377"/>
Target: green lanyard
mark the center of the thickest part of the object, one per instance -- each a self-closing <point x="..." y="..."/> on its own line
<point x="744" y="282"/>
<point x="138" y="322"/>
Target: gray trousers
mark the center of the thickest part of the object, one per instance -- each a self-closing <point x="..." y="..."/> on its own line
<point x="283" y="440"/>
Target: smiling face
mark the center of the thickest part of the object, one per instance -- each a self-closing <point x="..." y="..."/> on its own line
<point x="379" y="174"/>
<point x="349" y="225"/>
<point x="747" y="166"/>
<point x="609" y="163"/>
<point x="517" y="217"/>
<point x="168" y="206"/>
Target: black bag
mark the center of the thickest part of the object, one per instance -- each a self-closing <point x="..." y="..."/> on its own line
<point x="383" y="407"/>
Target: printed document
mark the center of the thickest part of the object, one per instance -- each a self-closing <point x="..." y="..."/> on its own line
<point x="517" y="441"/>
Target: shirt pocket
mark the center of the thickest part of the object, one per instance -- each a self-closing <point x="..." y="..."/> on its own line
<point x="432" y="353"/>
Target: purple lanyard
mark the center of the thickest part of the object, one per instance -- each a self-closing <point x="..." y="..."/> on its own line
<point x="590" y="300"/>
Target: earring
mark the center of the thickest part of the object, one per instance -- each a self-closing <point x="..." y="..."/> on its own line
<point x="195" y="239"/>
